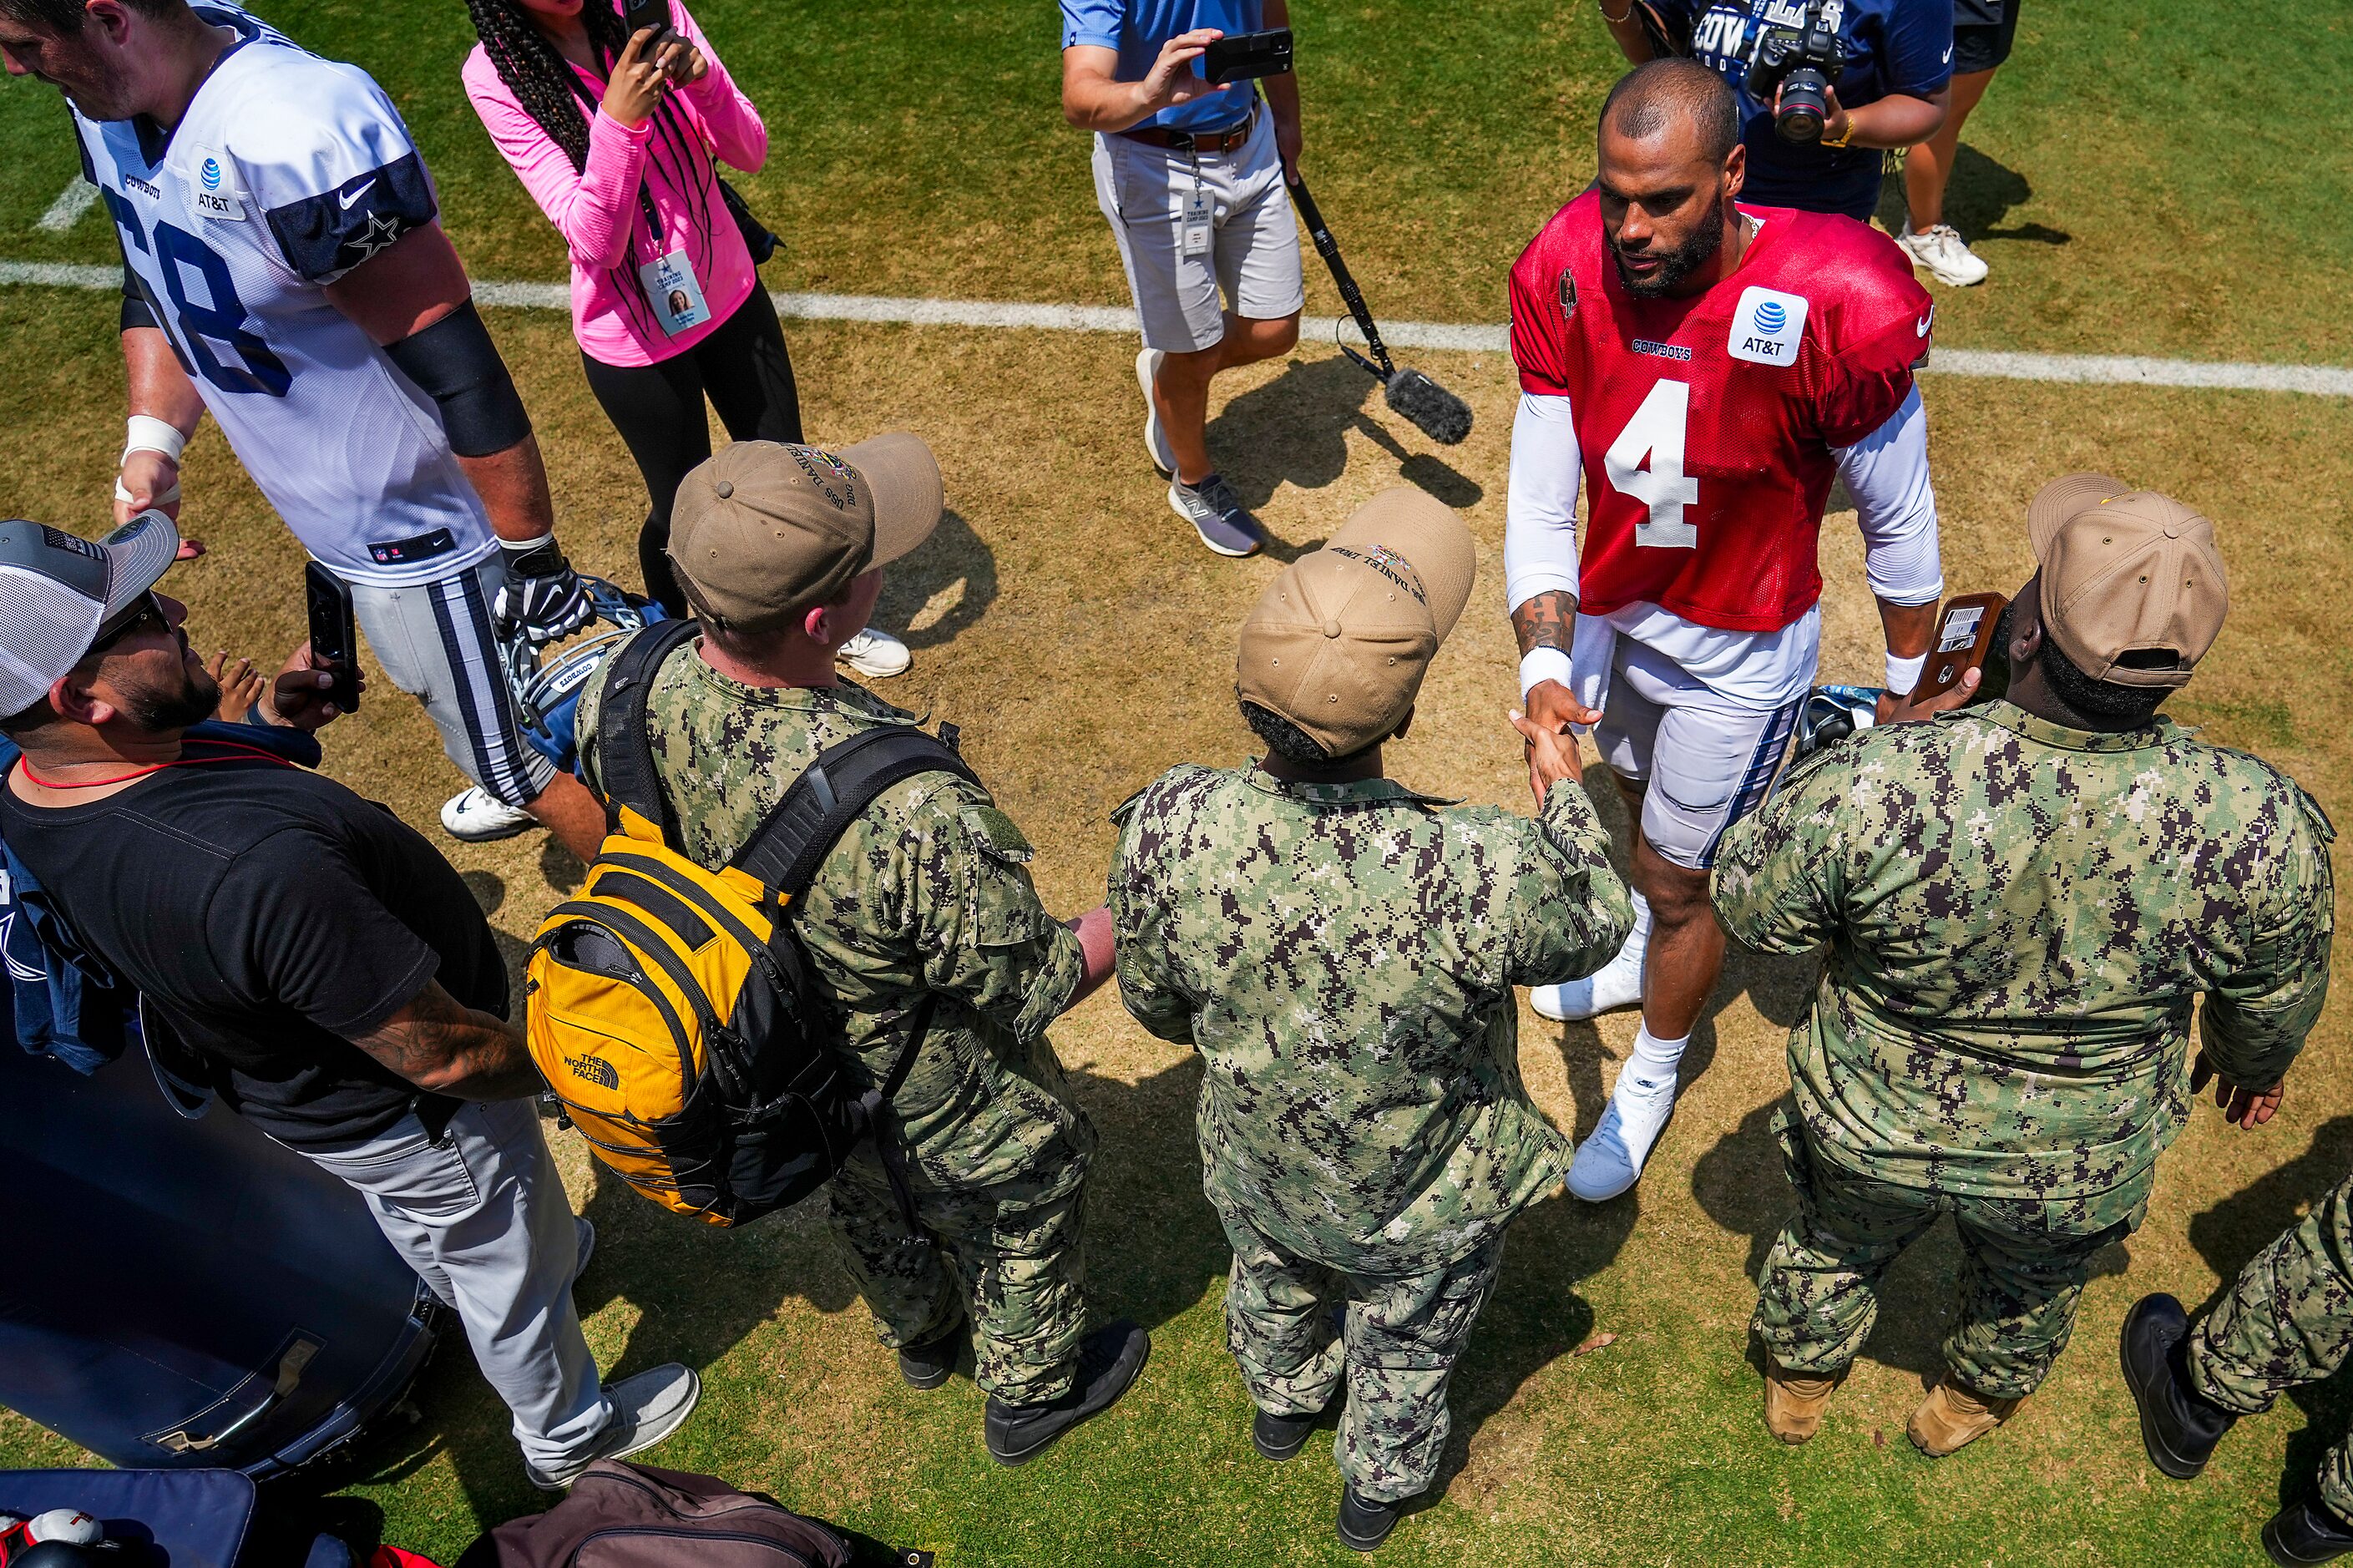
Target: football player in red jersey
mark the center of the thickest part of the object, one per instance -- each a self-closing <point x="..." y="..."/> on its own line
<point x="1707" y="369"/>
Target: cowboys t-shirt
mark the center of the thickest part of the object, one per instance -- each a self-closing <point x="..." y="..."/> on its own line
<point x="267" y="914"/>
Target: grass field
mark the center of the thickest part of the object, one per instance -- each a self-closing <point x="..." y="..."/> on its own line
<point x="2158" y="179"/>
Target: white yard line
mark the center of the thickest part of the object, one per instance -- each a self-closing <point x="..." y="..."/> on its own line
<point x="2320" y="381"/>
<point x="66" y="211"/>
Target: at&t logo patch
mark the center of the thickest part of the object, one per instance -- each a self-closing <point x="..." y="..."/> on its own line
<point x="210" y="174"/>
<point x="1767" y="327"/>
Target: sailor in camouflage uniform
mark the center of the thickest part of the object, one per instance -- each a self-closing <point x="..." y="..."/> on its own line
<point x="1342" y="951"/>
<point x="780" y="549"/>
<point x="2020" y="902"/>
<point x="2286" y="1320"/>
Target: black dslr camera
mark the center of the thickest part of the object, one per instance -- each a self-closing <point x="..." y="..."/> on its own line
<point x="1801" y="62"/>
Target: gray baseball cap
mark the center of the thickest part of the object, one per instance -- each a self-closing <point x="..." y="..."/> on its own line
<point x="58" y="590"/>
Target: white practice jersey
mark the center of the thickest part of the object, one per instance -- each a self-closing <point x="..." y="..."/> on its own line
<point x="286" y="172"/>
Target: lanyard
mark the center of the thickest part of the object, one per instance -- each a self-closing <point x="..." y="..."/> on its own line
<point x="247" y="752"/>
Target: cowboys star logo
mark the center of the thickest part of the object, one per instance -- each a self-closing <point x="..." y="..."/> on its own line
<point x="378" y="236"/>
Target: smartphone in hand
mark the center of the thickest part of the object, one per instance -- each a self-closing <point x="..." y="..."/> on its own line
<point x="636" y="15"/>
<point x="1964" y="635"/>
<point x="1247" y="55"/>
<point x="334" y="634"/>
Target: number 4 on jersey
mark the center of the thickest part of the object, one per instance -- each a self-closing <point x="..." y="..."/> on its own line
<point x="1656" y="431"/>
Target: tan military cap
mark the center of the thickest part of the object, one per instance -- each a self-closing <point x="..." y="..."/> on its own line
<point x="2128" y="577"/>
<point x="1339" y="644"/>
<point x="763" y="532"/>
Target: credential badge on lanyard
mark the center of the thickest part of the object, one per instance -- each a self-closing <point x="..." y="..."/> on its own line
<point x="671" y="290"/>
<point x="1199" y="216"/>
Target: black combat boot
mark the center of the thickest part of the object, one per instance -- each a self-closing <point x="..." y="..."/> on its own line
<point x="2305" y="1532"/>
<point x="1282" y="1436"/>
<point x="1109" y="1360"/>
<point x="2178" y="1425"/>
<point x="930" y="1364"/>
<point x="1364" y="1523"/>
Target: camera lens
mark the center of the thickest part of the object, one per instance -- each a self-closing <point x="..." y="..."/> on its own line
<point x="1804" y="106"/>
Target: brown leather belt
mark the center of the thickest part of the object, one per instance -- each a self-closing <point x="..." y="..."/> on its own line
<point x="1196" y="142"/>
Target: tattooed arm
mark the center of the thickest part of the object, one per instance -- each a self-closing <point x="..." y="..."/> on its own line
<point x="443" y="1047"/>
<point x="1540" y="582"/>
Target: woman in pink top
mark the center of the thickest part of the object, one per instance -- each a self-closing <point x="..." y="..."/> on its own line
<point x="619" y="139"/>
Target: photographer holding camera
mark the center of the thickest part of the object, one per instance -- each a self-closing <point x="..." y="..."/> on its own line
<point x="1824" y="85"/>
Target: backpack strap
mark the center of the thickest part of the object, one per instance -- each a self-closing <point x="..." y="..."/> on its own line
<point x="793" y="840"/>
<point x="625" y="755"/>
<point x="876" y="1104"/>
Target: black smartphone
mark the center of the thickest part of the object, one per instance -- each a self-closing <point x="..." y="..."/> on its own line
<point x="1245" y="55"/>
<point x="334" y="634"/>
<point x="637" y="14"/>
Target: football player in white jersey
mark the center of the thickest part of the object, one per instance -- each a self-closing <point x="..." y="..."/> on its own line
<point x="284" y="267"/>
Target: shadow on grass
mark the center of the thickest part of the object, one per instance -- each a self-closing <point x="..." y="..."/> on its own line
<point x="1154" y="1249"/>
<point x="2235" y="1230"/>
<point x="1980" y="194"/>
<point x="942" y="590"/>
<point x="1293" y="430"/>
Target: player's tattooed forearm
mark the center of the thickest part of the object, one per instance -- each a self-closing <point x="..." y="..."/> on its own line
<point x="1547" y="620"/>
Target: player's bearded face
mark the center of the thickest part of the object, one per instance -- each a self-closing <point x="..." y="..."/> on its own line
<point x="1675" y="249"/>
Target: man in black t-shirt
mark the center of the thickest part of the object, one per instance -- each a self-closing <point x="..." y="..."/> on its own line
<point x="310" y="956"/>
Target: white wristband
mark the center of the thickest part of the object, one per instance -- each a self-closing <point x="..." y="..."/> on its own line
<point x="1904" y="674"/>
<point x="122" y="493"/>
<point x="148" y="433"/>
<point x="1539" y="665"/>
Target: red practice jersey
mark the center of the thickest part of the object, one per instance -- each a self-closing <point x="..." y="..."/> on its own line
<point x="1707" y="425"/>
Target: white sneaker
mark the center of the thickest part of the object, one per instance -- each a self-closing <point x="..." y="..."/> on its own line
<point x="1945" y="254"/>
<point x="1155" y="440"/>
<point x="875" y="654"/>
<point x="647" y="1408"/>
<point x="478" y="817"/>
<point x="1612" y="1161"/>
<point x="1617" y="983"/>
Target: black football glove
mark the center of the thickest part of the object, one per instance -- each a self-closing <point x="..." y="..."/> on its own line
<point x="543" y="596"/>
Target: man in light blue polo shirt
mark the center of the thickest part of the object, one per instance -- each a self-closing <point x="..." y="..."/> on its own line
<point x="1190" y="176"/>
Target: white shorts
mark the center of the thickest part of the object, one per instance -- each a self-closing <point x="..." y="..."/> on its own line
<point x="1706" y="762"/>
<point x="434" y="641"/>
<point x="1254" y="246"/>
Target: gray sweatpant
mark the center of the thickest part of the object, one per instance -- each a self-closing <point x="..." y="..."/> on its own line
<point x="484" y="1219"/>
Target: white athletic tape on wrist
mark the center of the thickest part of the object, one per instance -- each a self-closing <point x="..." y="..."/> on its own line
<point x="1904" y="674"/>
<point x="1539" y="665"/>
<point x="167" y="498"/>
<point x="145" y="433"/>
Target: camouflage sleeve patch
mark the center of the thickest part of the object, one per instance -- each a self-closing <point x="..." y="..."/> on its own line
<point x="997" y="835"/>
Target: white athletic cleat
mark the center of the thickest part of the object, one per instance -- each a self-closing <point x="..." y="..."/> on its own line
<point x="1612" y="1161"/>
<point x="1155" y="440"/>
<point x="1617" y="983"/>
<point x="478" y="817"/>
<point x="1945" y="254"/>
<point x="647" y="1408"/>
<point x="875" y="654"/>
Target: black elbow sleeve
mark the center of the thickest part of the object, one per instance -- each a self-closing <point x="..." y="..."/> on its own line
<point x="136" y="310"/>
<point x="454" y="363"/>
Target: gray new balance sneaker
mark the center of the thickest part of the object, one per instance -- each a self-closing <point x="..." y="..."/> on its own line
<point x="1218" y="515"/>
<point x="647" y="1408"/>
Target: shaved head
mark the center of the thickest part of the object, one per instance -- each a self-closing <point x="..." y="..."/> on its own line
<point x="1675" y="94"/>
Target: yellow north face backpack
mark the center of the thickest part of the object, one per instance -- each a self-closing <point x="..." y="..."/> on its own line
<point x="670" y="1007"/>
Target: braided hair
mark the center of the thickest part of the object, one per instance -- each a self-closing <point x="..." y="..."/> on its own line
<point x="540" y="77"/>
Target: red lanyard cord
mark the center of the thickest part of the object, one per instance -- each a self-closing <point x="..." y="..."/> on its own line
<point x="26" y="765"/>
